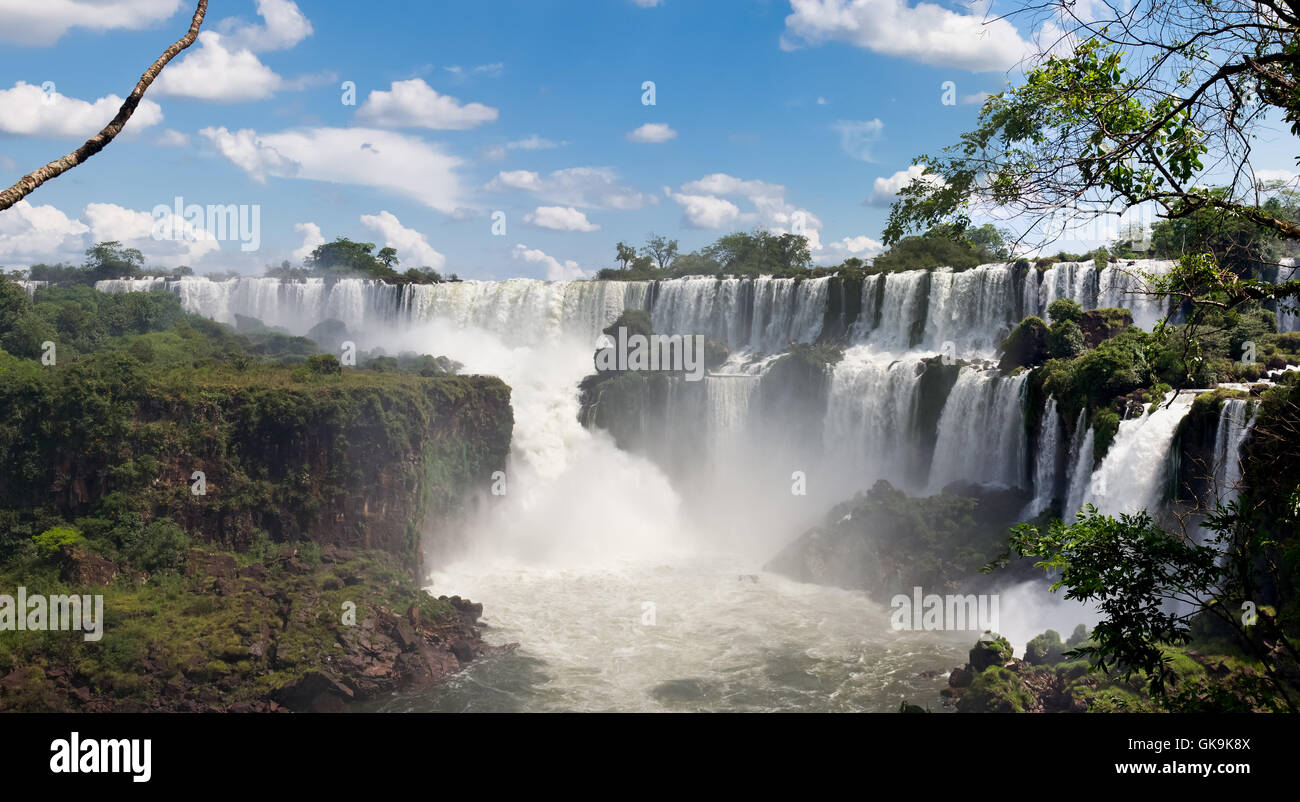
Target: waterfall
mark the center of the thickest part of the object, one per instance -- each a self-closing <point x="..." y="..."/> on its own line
<point x="1231" y="434"/>
<point x="1288" y="313"/>
<point x="1083" y="455"/>
<point x="1074" y="280"/>
<point x="29" y="286"/>
<point x="1125" y="286"/>
<point x="974" y="309"/>
<point x="981" y="435"/>
<point x="902" y="306"/>
<point x="871" y="417"/>
<point x="1047" y="460"/>
<point x="727" y="401"/>
<point x="869" y="310"/>
<point x="1134" y="475"/>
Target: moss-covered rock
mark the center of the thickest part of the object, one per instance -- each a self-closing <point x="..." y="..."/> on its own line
<point x="1026" y="346"/>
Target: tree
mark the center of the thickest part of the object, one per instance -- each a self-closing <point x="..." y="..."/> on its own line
<point x="387" y="256"/>
<point x="1125" y="117"/>
<point x="109" y="260"/>
<point x="662" y="250"/>
<point x="1132" y="570"/>
<point x="990" y="242"/>
<point x="28" y="183"/>
<point x="343" y="257"/>
<point x="625" y="254"/>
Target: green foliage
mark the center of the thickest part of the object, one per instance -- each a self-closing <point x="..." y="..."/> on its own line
<point x="740" y="253"/>
<point x="159" y="546"/>
<point x="1045" y="649"/>
<point x="1130" y="568"/>
<point x="1065" y="340"/>
<point x="636" y="321"/>
<point x="324" y="365"/>
<point x="940" y="247"/>
<point x="996" y="690"/>
<point x="1026" y="346"/>
<point x="1064" y="309"/>
<point x="343" y="257"/>
<point x="50" y="542"/>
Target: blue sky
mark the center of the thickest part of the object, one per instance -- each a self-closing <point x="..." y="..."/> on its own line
<point x="767" y="114"/>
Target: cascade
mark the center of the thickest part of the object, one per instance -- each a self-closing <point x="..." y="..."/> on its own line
<point x="1231" y="433"/>
<point x="981" y="435"/>
<point x="1288" y="313"/>
<point x="1083" y="453"/>
<point x="1047" y="460"/>
<point x="1134" y="474"/>
<point x="871" y="417"/>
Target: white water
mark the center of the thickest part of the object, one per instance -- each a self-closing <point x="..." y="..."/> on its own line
<point x="1081" y="465"/>
<point x="1134" y="474"/>
<point x="587" y="533"/>
<point x="1233" y="429"/>
<point x="1047" y="462"/>
<point x="982" y="432"/>
<point x="1288" y="314"/>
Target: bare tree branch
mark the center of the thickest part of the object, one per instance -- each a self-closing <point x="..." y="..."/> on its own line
<point x="28" y="183"/>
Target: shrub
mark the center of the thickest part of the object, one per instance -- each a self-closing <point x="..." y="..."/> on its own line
<point x="1026" y="345"/>
<point x="1064" y="309"/>
<point x="324" y="364"/>
<point x="1045" y="649"/>
<point x="159" y="546"/>
<point x="50" y="542"/>
<point x="1065" y="340"/>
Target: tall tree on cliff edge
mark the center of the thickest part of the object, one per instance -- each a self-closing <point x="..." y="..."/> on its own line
<point x="1125" y="105"/>
<point x="28" y="183"/>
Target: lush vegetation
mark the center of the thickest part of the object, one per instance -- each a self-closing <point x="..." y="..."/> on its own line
<point x="1128" y="117"/>
<point x="788" y="255"/>
<point x="136" y="436"/>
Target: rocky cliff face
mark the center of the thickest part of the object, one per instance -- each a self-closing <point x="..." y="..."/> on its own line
<point x="303" y="501"/>
<point x="357" y="460"/>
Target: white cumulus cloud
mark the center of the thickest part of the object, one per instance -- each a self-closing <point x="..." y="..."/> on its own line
<point x="28" y="110"/>
<point x="31" y="234"/>
<point x="704" y="206"/>
<point x="218" y="72"/>
<point x="405" y="165"/>
<point x="652" y="134"/>
<point x="583" y="187"/>
<point x="568" y="270"/>
<point x="283" y="26"/>
<point x="415" y="104"/>
<point x="413" y="248"/>
<point x="861" y="247"/>
<point x="884" y="190"/>
<point x="311" y="240"/>
<point x="925" y="32"/>
<point x="560" y="218"/>
<point x="188" y="244"/>
<point x="705" y="211"/>
<point x="43" y="22"/>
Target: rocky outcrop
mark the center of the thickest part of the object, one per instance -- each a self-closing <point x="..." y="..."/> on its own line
<point x="294" y="631"/>
<point x="885" y="542"/>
